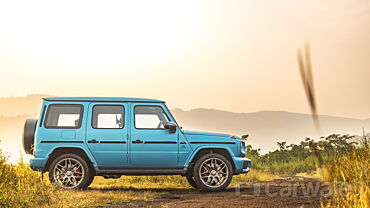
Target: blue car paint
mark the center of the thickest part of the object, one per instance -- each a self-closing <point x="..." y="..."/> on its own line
<point x="189" y="132"/>
<point x="179" y="154"/>
<point x="109" y="154"/>
<point x="153" y="155"/>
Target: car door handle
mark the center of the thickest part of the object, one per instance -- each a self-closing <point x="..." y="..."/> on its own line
<point x="138" y="141"/>
<point x="93" y="141"/>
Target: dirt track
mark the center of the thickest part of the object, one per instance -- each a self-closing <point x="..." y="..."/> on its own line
<point x="287" y="192"/>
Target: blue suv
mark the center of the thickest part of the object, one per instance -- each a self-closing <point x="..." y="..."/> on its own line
<point x="76" y="139"/>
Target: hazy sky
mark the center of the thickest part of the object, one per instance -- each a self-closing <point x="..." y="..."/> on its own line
<point x="232" y="55"/>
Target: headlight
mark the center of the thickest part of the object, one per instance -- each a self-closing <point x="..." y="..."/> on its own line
<point x="242" y="148"/>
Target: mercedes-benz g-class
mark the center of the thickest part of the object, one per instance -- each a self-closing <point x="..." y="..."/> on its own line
<point x="78" y="138"/>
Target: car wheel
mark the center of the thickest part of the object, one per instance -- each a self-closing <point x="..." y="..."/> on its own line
<point x="71" y="171"/>
<point x="213" y="172"/>
<point x="191" y="181"/>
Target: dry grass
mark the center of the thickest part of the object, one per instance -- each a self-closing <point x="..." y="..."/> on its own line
<point x="140" y="182"/>
<point x="254" y="175"/>
<point x="313" y="174"/>
<point x="350" y="176"/>
<point x="22" y="187"/>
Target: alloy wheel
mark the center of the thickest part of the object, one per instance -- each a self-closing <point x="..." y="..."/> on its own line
<point x="213" y="172"/>
<point x="68" y="173"/>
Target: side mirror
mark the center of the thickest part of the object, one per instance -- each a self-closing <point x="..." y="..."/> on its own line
<point x="171" y="126"/>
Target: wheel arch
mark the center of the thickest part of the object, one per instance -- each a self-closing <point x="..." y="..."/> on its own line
<point x="67" y="150"/>
<point x="224" y="151"/>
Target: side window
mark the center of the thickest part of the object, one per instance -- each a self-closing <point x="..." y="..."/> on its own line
<point x="64" y="116"/>
<point x="150" y="117"/>
<point x="108" y="117"/>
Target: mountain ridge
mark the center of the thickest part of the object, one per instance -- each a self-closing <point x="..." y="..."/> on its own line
<point x="265" y="128"/>
<point x="29" y="104"/>
<point x="269" y="111"/>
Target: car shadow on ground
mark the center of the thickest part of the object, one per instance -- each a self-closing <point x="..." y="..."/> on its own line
<point x="169" y="190"/>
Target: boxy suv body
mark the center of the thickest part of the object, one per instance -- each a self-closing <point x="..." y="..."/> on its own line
<point x="75" y="139"/>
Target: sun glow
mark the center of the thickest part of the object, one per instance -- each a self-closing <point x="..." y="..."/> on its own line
<point x="102" y="32"/>
<point x="188" y="52"/>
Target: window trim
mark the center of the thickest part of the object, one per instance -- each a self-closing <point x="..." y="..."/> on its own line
<point x="123" y="115"/>
<point x="64" y="127"/>
<point x="42" y="115"/>
<point x="165" y="113"/>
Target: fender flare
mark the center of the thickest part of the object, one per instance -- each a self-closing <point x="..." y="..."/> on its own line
<point x="79" y="147"/>
<point x="199" y="148"/>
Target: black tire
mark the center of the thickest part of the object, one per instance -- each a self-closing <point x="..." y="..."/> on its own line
<point x="86" y="170"/>
<point x="227" y="177"/>
<point x="191" y="181"/>
<point x="29" y="135"/>
<point x="91" y="178"/>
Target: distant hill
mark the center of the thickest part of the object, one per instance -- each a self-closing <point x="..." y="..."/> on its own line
<point x="265" y="128"/>
<point x="13" y="106"/>
<point x="268" y="127"/>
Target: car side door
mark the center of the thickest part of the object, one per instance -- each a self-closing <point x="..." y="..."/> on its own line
<point x="151" y="145"/>
<point x="107" y="133"/>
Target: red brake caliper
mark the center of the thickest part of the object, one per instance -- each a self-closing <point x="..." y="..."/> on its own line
<point x="78" y="174"/>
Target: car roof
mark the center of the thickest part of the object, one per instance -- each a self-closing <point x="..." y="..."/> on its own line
<point x="102" y="99"/>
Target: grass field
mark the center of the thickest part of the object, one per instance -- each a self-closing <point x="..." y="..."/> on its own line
<point x="22" y="187"/>
<point x="346" y="164"/>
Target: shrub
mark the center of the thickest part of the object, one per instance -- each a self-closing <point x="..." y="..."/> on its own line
<point x="22" y="187"/>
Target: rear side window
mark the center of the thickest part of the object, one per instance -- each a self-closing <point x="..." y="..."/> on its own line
<point x="108" y="117"/>
<point x="150" y="117"/>
<point x="60" y="116"/>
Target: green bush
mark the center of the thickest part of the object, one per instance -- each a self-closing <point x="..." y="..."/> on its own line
<point x="293" y="167"/>
<point x="304" y="157"/>
<point x="22" y="187"/>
